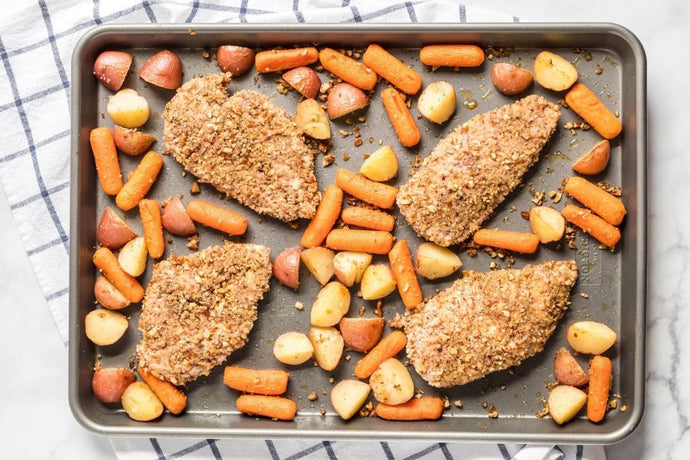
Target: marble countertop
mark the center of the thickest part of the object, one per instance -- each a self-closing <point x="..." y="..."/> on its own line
<point x="35" y="360"/>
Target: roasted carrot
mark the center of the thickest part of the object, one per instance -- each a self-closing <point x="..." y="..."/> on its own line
<point x="348" y="69"/>
<point x="380" y="195"/>
<point x="140" y="182"/>
<point x="326" y="215"/>
<point x="392" y="69"/>
<point x="216" y="217"/>
<point x="427" y="408"/>
<point x="368" y="218"/>
<point x="605" y="205"/>
<point x="371" y="241"/>
<point x="105" y="156"/>
<point x="275" y="60"/>
<point x="405" y="127"/>
<point x="604" y="232"/>
<point x="404" y="274"/>
<point x="107" y="263"/>
<point x="275" y="407"/>
<point x="172" y="398"/>
<point x="387" y="347"/>
<point x="599" y="385"/>
<point x="451" y="55"/>
<point x="270" y="382"/>
<point x="586" y="104"/>
<point x="150" y="213"/>
<point x="526" y="243"/>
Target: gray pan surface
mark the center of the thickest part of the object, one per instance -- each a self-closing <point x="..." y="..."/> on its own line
<point x="611" y="286"/>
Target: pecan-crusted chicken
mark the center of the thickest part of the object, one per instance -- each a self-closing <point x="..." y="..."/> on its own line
<point x="200" y="308"/>
<point x="473" y="169"/>
<point x="486" y="322"/>
<point x="244" y="145"/>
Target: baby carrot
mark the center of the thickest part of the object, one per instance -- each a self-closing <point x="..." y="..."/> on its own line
<point x="427" y="408"/>
<point x="405" y="127"/>
<point x="107" y="263"/>
<point x="172" y="398"/>
<point x="216" y="217"/>
<point x="368" y="218"/>
<point x="404" y="274"/>
<point x="105" y="156"/>
<point x="604" y="232"/>
<point x="348" y="69"/>
<point x="150" y="213"/>
<point x="271" y="382"/>
<point x="586" y="104"/>
<point x="140" y="182"/>
<point x="371" y="241"/>
<point x="607" y="206"/>
<point x="275" y="407"/>
<point x="326" y="215"/>
<point x="526" y="243"/>
<point x="387" y="347"/>
<point x="599" y="386"/>
<point x="452" y="55"/>
<point x="380" y="195"/>
<point x="275" y="60"/>
<point x="392" y="69"/>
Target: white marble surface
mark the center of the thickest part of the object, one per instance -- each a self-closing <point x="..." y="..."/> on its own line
<point x="34" y="385"/>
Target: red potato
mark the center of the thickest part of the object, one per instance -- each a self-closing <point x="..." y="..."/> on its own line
<point x="105" y="327"/>
<point x="286" y="267"/>
<point x="131" y="141"/>
<point x="361" y="334"/>
<point x="108" y="295"/>
<point x="133" y="256"/>
<point x="128" y="108"/>
<point x="304" y="80"/>
<point x="175" y="219"/>
<point x="109" y="383"/>
<point x="163" y="69"/>
<point x="111" y="67"/>
<point x="113" y="232"/>
<point x="235" y="59"/>
<point x="319" y="262"/>
<point x="141" y="403"/>
<point x="568" y="371"/>
<point x="509" y="79"/>
<point x="345" y="98"/>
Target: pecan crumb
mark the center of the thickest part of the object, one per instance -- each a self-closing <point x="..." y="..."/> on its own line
<point x="493" y="413"/>
<point x="313" y="396"/>
<point x="193" y="242"/>
<point x="195" y="189"/>
<point x="457" y="403"/>
<point x="584" y="295"/>
<point x="322" y="411"/>
<point x="299" y="306"/>
<point x="328" y="160"/>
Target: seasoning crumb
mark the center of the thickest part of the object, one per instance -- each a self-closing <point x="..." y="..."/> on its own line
<point x="624" y="408"/>
<point x="361" y="311"/>
<point x="524" y="215"/>
<point x="328" y="160"/>
<point x="195" y="189"/>
<point x="313" y="396"/>
<point x="457" y="403"/>
<point x="485" y="404"/>
<point x="193" y="242"/>
<point x="612" y="404"/>
<point x="358" y="142"/>
<point x="542" y="413"/>
<point x="322" y="411"/>
<point x="493" y="413"/>
<point x="299" y="306"/>
<point x="584" y="295"/>
<point x="205" y="54"/>
<point x="377" y="310"/>
<point x="346" y="157"/>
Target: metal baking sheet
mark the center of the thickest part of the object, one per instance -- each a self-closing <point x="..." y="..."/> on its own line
<point x="611" y="286"/>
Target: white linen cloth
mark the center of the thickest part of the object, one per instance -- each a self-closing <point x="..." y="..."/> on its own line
<point x="36" y="47"/>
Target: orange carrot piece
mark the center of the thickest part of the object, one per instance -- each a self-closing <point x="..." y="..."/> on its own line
<point x="150" y="213"/>
<point x="371" y="241"/>
<point x="380" y="195"/>
<point x="275" y="407"/>
<point x="216" y="217"/>
<point x="427" y="408"/>
<point x="599" y="385"/>
<point x="326" y="215"/>
<point x="270" y="382"/>
<point x="172" y="398"/>
<point x="387" y="347"/>
<point x="275" y="60"/>
<point x="392" y="69"/>
<point x="140" y="182"/>
<point x="105" y="156"/>
<point x="404" y="274"/>
<point x="607" y="206"/>
<point x="526" y="243"/>
<point x="107" y="263"/>
<point x="348" y="69"/>
<point x="451" y="55"/>
<point x="403" y="122"/>
<point x="368" y="218"/>
<point x="604" y="232"/>
<point x="586" y="104"/>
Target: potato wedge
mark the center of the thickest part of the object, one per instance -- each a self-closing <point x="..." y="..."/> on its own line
<point x="111" y="68"/>
<point x="433" y="261"/>
<point x="163" y="69"/>
<point x="312" y="119"/>
<point x="175" y="219"/>
<point x="132" y="141"/>
<point x="361" y="334"/>
<point x="553" y="72"/>
<point x="565" y="402"/>
<point x="112" y="231"/>
<point x="304" y="80"/>
<point x="377" y="282"/>
<point x="348" y="396"/>
<point x="293" y="348"/>
<point x="509" y="79"/>
<point x="330" y="305"/>
<point x="568" y="371"/>
<point x="344" y="99"/>
<point x="380" y="166"/>
<point x="108" y="295"/>
<point x="141" y="403"/>
<point x="235" y="59"/>
<point x="105" y="327"/>
<point x="328" y="346"/>
<point x="133" y="256"/>
<point x="590" y="337"/>
<point x="319" y="262"/>
<point x="392" y="383"/>
<point x="127" y="108"/>
<point x="349" y="266"/>
<point x="109" y="383"/>
<point x="595" y="160"/>
<point x="286" y="267"/>
<point x="547" y="223"/>
<point x="437" y="102"/>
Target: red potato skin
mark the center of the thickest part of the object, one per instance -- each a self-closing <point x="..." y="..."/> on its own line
<point x="131" y="141"/>
<point x="163" y="69"/>
<point x="304" y="80"/>
<point x="509" y="79"/>
<point x="112" y="231"/>
<point x="108" y="383"/>
<point x="108" y="295"/>
<point x="111" y="68"/>
<point x="361" y="334"/>
<point x="345" y="98"/>
<point x="286" y="267"/>
<point x="175" y="219"/>
<point x="235" y="59"/>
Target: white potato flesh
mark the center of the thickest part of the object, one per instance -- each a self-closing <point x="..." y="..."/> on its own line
<point x="348" y="396"/>
<point x="328" y="346"/>
<point x="330" y="305"/>
<point x="293" y="348"/>
<point x="105" y="327"/>
<point x="392" y="383"/>
<point x="437" y="102"/>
